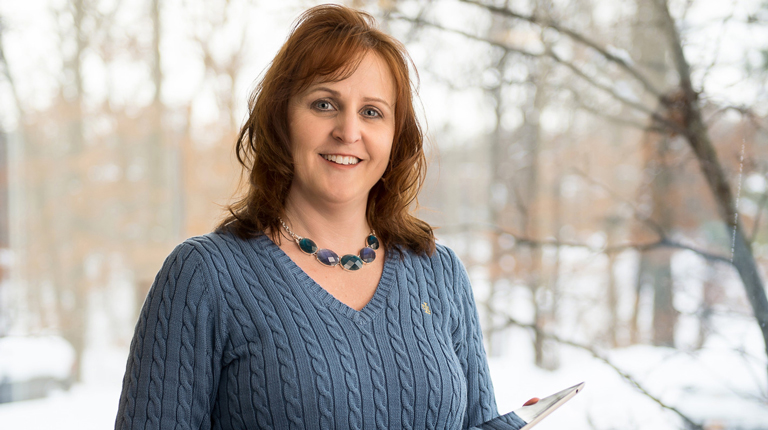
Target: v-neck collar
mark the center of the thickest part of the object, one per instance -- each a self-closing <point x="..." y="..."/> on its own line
<point x="326" y="299"/>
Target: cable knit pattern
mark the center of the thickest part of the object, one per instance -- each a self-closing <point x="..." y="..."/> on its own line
<point x="279" y="336"/>
<point x="404" y="366"/>
<point x="186" y="362"/>
<point x="234" y="335"/>
<point x="378" y="378"/>
<point x="309" y="337"/>
<point x="433" y="378"/>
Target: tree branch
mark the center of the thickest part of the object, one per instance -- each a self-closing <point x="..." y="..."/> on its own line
<point x="578" y="37"/>
<point x="548" y="53"/>
<point x="504" y="46"/>
<point x="592" y="81"/>
<point x="744" y="111"/>
<point x="718" y="44"/>
<point x="662" y="242"/>
<point x="615" y="119"/>
<point x="649" y="222"/>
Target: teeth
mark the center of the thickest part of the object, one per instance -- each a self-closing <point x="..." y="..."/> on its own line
<point x="340" y="159"/>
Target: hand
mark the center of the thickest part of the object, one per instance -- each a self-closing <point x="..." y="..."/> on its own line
<point x="532" y="401"/>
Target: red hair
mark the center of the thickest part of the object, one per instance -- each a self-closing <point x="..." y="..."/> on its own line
<point x="328" y="42"/>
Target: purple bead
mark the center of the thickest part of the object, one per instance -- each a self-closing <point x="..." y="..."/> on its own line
<point x="327" y="257"/>
<point x="367" y="255"/>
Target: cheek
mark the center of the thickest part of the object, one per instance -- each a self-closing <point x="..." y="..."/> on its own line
<point x="387" y="156"/>
<point x="301" y="145"/>
<point x="386" y="144"/>
<point x="384" y="157"/>
<point x="299" y="134"/>
<point x="385" y="152"/>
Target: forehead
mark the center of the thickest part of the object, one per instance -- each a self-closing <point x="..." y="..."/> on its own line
<point x="369" y="74"/>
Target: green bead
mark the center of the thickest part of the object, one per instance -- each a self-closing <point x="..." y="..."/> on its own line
<point x="307" y="246"/>
<point x="372" y="242"/>
<point x="351" y="262"/>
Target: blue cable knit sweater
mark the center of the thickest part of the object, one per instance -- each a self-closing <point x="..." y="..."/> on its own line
<point x="234" y="335"/>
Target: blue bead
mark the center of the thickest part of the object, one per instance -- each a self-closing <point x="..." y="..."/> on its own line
<point x="351" y="262"/>
<point x="307" y="246"/>
<point x="367" y="255"/>
<point x="372" y="242"/>
<point x="327" y="257"/>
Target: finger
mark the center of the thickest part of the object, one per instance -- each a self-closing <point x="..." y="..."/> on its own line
<point x="532" y="401"/>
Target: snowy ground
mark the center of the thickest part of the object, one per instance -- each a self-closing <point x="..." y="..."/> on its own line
<point x="91" y="405"/>
<point x="718" y="386"/>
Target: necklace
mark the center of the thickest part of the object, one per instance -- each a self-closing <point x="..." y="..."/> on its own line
<point x="329" y="258"/>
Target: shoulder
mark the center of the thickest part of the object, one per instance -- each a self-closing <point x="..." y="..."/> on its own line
<point x="235" y="262"/>
<point x="213" y="256"/>
<point x="216" y="266"/>
<point x="443" y="265"/>
<point x="218" y="247"/>
<point x="447" y="254"/>
<point x="447" y="260"/>
<point x="442" y="255"/>
<point x="454" y="269"/>
<point x="197" y="258"/>
<point x="211" y="243"/>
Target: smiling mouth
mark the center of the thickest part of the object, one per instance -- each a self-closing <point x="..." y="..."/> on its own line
<point x="341" y="159"/>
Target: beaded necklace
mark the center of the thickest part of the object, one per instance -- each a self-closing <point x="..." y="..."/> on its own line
<point x="327" y="257"/>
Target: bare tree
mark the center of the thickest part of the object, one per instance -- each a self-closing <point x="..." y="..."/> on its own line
<point x="681" y="116"/>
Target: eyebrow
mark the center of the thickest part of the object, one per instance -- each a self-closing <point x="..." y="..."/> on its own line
<point x="338" y="94"/>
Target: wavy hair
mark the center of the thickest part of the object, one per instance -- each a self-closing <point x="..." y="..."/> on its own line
<point x="328" y="43"/>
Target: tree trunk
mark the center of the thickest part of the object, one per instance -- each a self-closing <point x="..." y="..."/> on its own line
<point x="642" y="273"/>
<point x="537" y="281"/>
<point x="660" y="260"/>
<point x="657" y="264"/>
<point x="664" y="312"/>
<point x="497" y="150"/>
<point x="611" y="225"/>
<point x="710" y="296"/>
<point x="68" y="223"/>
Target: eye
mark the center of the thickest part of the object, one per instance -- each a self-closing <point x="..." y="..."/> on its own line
<point x="371" y="113"/>
<point x="322" y="105"/>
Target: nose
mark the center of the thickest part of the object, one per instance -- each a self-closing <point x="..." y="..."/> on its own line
<point x="347" y="129"/>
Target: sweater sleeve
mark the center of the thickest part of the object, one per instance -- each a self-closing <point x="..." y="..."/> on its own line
<point x="468" y="339"/>
<point x="172" y="368"/>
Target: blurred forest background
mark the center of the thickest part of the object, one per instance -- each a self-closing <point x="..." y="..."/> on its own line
<point x="600" y="166"/>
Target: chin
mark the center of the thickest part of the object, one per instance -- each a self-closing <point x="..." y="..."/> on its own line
<point x="339" y="199"/>
<point x="343" y="196"/>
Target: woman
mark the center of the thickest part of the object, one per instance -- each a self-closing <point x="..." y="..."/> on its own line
<point x="253" y="326"/>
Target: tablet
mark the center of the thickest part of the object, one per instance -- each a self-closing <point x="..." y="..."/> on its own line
<point x="526" y="417"/>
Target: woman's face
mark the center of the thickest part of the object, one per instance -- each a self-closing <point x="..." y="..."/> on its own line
<point x="341" y="135"/>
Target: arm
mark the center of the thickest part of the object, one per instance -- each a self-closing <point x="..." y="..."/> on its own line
<point x="172" y="368"/>
<point x="468" y="343"/>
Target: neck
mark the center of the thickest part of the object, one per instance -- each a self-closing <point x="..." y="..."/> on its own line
<point x="340" y="227"/>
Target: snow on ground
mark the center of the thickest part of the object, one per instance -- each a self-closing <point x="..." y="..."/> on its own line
<point x="26" y="357"/>
<point x="718" y="386"/>
<point x="91" y="405"/>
